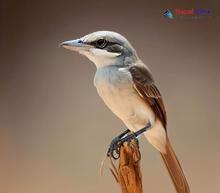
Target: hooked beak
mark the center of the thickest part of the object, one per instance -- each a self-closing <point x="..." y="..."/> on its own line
<point x="75" y="45"/>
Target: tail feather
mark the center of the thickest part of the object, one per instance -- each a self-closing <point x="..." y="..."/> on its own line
<point x="174" y="168"/>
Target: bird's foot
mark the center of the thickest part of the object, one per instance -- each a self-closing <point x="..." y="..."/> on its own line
<point x="114" y="148"/>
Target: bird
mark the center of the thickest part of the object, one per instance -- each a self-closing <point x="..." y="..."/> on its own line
<point x="127" y="87"/>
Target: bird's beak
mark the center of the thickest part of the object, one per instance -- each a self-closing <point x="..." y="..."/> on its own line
<point x="75" y="45"/>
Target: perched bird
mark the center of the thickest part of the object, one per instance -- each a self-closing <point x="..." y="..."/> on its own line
<point x="127" y="87"/>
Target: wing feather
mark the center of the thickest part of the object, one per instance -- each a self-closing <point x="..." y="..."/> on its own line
<point x="144" y="84"/>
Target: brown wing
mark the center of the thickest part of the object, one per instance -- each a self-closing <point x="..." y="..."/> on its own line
<point x="144" y="84"/>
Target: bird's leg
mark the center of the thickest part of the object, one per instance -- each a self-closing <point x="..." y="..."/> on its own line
<point x="114" y="148"/>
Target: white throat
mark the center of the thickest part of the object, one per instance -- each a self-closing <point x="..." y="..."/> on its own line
<point x="100" y="57"/>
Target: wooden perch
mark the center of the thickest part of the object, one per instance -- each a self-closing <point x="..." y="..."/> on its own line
<point x="128" y="173"/>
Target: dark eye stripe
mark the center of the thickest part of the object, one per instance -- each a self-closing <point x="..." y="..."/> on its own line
<point x="101" y="43"/>
<point x="110" y="46"/>
<point x="116" y="48"/>
<point x="94" y="43"/>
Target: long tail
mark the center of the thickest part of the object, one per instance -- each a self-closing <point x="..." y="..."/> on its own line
<point x="174" y="168"/>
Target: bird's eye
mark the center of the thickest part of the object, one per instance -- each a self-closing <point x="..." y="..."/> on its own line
<point x="101" y="43"/>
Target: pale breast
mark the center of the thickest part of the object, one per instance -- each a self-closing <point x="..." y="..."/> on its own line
<point x="116" y="89"/>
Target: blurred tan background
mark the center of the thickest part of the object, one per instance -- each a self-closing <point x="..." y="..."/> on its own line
<point x="54" y="129"/>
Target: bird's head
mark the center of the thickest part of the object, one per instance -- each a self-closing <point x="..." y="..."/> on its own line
<point x="103" y="48"/>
